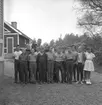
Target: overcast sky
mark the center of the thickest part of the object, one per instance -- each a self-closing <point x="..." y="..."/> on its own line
<point x="45" y="19"/>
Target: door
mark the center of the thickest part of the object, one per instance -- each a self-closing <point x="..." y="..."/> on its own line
<point x="10" y="45"/>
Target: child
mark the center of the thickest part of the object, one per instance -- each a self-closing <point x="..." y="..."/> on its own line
<point x="42" y="66"/>
<point x="69" y="65"/>
<point x="16" y="55"/>
<point x="80" y="61"/>
<point x="33" y="66"/>
<point x="28" y="51"/>
<point x="24" y="67"/>
<point x="50" y="65"/>
<point x="89" y="66"/>
<point x="75" y="54"/>
<point x="59" y="65"/>
<point x="64" y="65"/>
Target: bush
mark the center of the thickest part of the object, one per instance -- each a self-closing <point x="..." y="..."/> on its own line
<point x="98" y="58"/>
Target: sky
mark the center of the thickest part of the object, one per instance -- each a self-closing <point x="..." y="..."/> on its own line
<point x="45" y="19"/>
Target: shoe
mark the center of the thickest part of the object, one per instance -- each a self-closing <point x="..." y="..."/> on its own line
<point x="21" y="82"/>
<point x="70" y="82"/>
<point x="81" y="82"/>
<point x="44" y="82"/>
<point x="26" y="82"/>
<point x="84" y="81"/>
<point x="39" y="83"/>
<point x="74" y="81"/>
<point x="77" y="82"/>
<point x="62" y="82"/>
<point x="16" y="82"/>
<point x="88" y="82"/>
<point x="51" y="82"/>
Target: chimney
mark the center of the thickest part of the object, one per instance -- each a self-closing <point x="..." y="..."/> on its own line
<point x="14" y="24"/>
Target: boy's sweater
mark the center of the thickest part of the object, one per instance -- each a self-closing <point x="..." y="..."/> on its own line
<point x="32" y="57"/>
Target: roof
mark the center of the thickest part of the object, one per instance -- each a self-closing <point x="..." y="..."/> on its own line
<point x="17" y="31"/>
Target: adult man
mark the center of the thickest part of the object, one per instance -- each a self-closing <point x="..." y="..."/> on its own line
<point x="16" y="55"/>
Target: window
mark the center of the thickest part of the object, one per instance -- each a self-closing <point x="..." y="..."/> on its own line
<point x="25" y="41"/>
<point x="5" y="50"/>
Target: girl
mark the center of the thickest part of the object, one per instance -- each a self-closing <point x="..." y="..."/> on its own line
<point x="89" y="66"/>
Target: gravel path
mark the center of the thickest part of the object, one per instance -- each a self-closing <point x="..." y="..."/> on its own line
<point x="51" y="94"/>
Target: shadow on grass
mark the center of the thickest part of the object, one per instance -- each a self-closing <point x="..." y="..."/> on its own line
<point x="98" y="69"/>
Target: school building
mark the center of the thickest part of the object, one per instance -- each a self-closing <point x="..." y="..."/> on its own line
<point x="14" y="37"/>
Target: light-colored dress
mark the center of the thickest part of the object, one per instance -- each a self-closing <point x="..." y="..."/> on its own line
<point x="89" y="66"/>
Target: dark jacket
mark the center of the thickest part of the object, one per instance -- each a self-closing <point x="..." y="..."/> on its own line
<point x="23" y="57"/>
<point x="42" y="59"/>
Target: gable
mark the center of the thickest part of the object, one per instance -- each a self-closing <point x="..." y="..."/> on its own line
<point x="8" y="28"/>
<point x="13" y="30"/>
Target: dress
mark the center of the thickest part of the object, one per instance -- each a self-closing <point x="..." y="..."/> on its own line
<point x="89" y="66"/>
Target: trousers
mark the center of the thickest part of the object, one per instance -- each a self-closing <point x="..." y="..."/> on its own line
<point x="75" y="67"/>
<point x="59" y="66"/>
<point x="32" y="71"/>
<point x="80" y="72"/>
<point x="24" y="71"/>
<point x="50" y="71"/>
<point x="69" y="67"/>
<point x="42" y="72"/>
<point x="17" y="75"/>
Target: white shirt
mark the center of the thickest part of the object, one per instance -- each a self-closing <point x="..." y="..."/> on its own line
<point x="36" y="53"/>
<point x="80" y="58"/>
<point x="89" y="56"/>
<point x="17" y="54"/>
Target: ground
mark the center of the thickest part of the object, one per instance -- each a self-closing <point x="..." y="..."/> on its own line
<point x="50" y="94"/>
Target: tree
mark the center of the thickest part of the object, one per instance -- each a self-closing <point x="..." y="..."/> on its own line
<point x="95" y="5"/>
<point x="91" y="20"/>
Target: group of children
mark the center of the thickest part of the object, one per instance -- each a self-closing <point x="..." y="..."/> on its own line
<point x="53" y="65"/>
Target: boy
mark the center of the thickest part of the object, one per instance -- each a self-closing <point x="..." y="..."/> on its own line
<point x="80" y="60"/>
<point x="28" y="51"/>
<point x="33" y="66"/>
<point x="16" y="55"/>
<point x="23" y="67"/>
<point x="75" y="54"/>
<point x="59" y="65"/>
<point x="69" y="65"/>
<point x="42" y="65"/>
<point x="50" y="65"/>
